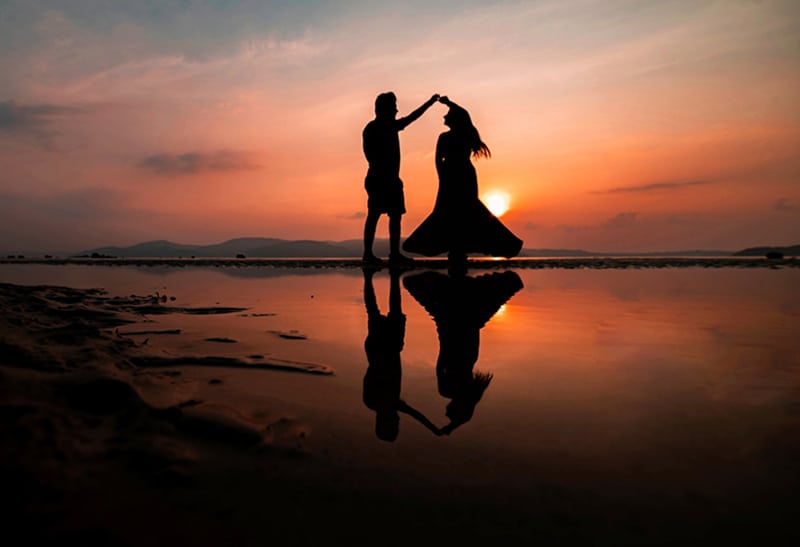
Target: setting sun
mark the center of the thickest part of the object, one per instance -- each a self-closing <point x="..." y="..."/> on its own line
<point x="497" y="202"/>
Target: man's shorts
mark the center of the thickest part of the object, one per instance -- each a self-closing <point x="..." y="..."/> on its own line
<point x="385" y="196"/>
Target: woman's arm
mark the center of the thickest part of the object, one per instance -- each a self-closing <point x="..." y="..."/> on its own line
<point x="444" y="99"/>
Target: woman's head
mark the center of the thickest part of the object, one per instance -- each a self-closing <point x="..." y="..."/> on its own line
<point x="462" y="406"/>
<point x="458" y="120"/>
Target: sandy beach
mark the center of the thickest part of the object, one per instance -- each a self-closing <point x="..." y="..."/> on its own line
<point x="101" y="447"/>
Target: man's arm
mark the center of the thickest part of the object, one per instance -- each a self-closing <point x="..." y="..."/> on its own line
<point x="419" y="416"/>
<point x="402" y="123"/>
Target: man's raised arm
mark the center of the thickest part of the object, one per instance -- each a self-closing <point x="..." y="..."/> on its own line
<point x="402" y="123"/>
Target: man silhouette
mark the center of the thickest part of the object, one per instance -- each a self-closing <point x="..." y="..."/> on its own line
<point x="382" y="380"/>
<point x="381" y="145"/>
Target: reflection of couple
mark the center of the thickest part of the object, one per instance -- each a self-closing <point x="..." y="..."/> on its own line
<point x="459" y="223"/>
<point x="460" y="306"/>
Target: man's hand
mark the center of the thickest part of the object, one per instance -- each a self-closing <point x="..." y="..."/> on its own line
<point x="444" y="99"/>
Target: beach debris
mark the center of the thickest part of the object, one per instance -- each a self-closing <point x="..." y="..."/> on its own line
<point x="153" y="361"/>
<point x="290" y="335"/>
<point x="215" y="381"/>
<point x="221" y="340"/>
<point x="143" y="332"/>
<point x="146" y="309"/>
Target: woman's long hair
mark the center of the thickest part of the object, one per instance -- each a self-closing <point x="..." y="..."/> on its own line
<point x="461" y="121"/>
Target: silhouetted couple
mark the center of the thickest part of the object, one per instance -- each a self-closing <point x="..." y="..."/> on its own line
<point x="460" y="306"/>
<point x="459" y="223"/>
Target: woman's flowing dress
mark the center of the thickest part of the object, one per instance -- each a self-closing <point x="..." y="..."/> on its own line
<point x="460" y="223"/>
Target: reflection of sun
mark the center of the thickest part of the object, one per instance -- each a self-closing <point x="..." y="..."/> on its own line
<point x="497" y="202"/>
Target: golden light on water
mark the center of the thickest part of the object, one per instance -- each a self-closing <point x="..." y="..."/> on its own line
<point x="497" y="202"/>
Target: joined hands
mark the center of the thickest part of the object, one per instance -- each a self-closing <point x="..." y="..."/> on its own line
<point x="444" y="99"/>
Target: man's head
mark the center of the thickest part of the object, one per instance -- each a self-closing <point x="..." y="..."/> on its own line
<point x="386" y="105"/>
<point x="387" y="425"/>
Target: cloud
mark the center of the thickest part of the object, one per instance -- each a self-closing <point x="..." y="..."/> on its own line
<point x="622" y="220"/>
<point x="193" y="163"/>
<point x="354" y="216"/>
<point x="784" y="205"/>
<point x="677" y="185"/>
<point x="32" y="120"/>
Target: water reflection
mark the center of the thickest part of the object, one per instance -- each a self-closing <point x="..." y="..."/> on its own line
<point x="460" y="306"/>
<point x="382" y="381"/>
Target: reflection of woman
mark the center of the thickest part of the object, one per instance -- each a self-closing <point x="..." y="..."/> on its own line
<point x="460" y="223"/>
<point x="385" y="338"/>
<point x="460" y="307"/>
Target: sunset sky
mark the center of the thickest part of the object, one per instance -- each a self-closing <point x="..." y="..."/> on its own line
<point x="614" y="125"/>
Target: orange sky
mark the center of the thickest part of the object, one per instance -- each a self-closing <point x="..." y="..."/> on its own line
<point x="614" y="125"/>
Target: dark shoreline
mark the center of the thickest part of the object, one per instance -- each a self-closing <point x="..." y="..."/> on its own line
<point x="87" y="459"/>
<point x="426" y="263"/>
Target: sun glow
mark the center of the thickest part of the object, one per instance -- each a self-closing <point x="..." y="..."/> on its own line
<point x="497" y="202"/>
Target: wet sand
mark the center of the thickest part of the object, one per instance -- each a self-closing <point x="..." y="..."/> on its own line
<point x="88" y="458"/>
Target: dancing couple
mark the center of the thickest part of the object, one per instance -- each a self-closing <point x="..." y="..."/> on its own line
<point x="459" y="223"/>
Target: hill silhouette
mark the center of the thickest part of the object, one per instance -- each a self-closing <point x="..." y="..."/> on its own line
<point x="267" y="247"/>
<point x="256" y="247"/>
<point x="791" y="250"/>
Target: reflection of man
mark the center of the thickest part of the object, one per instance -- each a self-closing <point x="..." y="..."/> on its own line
<point x="382" y="381"/>
<point x="384" y="187"/>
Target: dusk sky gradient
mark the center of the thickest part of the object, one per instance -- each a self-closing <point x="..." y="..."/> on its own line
<point x="615" y="125"/>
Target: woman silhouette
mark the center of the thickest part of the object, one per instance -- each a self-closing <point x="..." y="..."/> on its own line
<point x="460" y="306"/>
<point x="460" y="223"/>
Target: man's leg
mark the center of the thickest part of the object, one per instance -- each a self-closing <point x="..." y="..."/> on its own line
<point x="394" y="242"/>
<point x="369" y="235"/>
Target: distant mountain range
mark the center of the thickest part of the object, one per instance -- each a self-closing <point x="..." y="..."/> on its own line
<point x="792" y="250"/>
<point x="265" y="247"/>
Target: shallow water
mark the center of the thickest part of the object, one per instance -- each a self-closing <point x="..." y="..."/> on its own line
<point x="680" y="382"/>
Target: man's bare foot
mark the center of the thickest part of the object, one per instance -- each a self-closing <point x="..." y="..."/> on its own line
<point x="371" y="260"/>
<point x="401" y="260"/>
